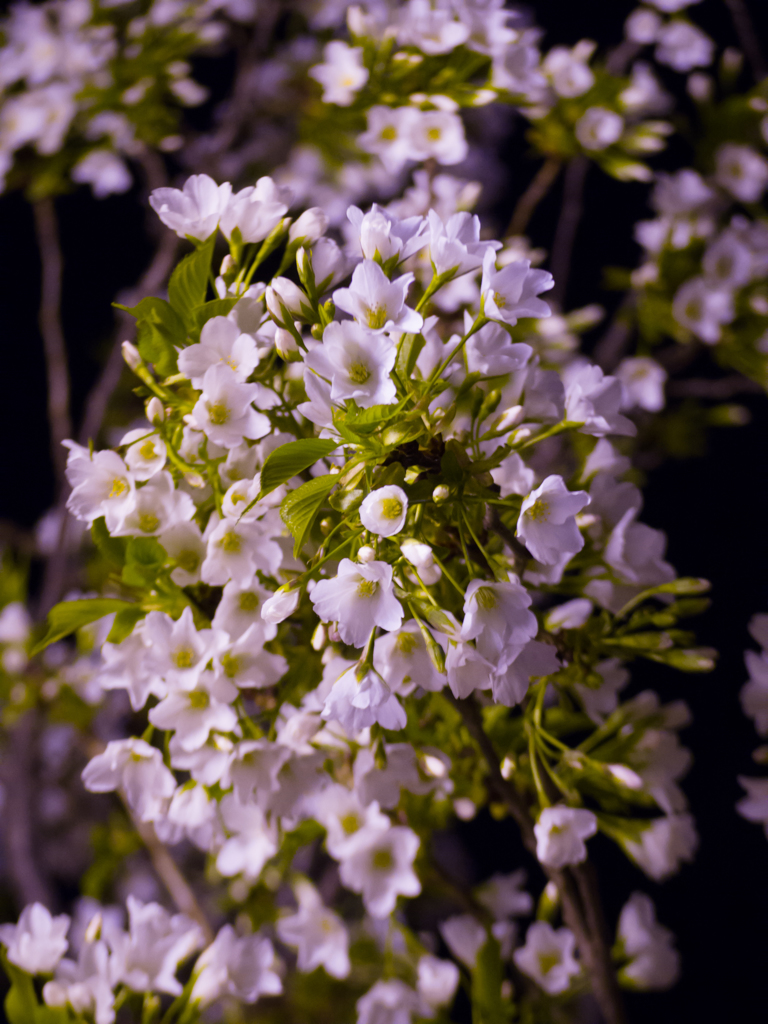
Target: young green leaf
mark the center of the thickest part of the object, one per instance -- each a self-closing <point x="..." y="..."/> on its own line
<point x="300" y="507"/>
<point x="189" y="281"/>
<point x="292" y="458"/>
<point x="159" y="330"/>
<point x="66" y="617"/>
<point x="144" y="559"/>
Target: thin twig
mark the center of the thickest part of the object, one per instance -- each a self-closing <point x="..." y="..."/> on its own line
<point x="567" y="225"/>
<point x="613" y="344"/>
<point x="579" y="896"/>
<point x="17" y="770"/>
<point x="526" y="205"/>
<point x="169" y="874"/>
<point x="748" y="38"/>
<point x="49" y="245"/>
<point x="718" y="389"/>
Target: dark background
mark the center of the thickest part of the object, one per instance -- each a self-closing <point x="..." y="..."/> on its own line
<point x="714" y="509"/>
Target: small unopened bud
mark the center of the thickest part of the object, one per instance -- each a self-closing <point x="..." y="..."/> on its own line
<point x="510" y="417"/>
<point x="227" y="265"/>
<point x="311" y="225"/>
<point x="286" y="346"/>
<point x="282" y="604"/>
<point x="282" y="295"/>
<point x="319" y="637"/>
<point x="441" y="493"/>
<point x="326" y="525"/>
<point x="194" y="480"/>
<point x="366" y="554"/>
<point x="131" y="355"/>
<point x="155" y="411"/>
<point x="93" y="931"/>
<point x="625" y="776"/>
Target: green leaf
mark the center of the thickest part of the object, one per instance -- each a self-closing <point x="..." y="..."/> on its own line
<point x="112" y="548"/>
<point x="144" y="559"/>
<point x="293" y="458"/>
<point x="159" y="330"/>
<point x="488" y="1004"/>
<point x="409" y="353"/>
<point x="68" y="616"/>
<point x="124" y="622"/>
<point x="21" y="1002"/>
<point x="189" y="281"/>
<point x="365" y="421"/>
<point x="208" y="310"/>
<point x="300" y="507"/>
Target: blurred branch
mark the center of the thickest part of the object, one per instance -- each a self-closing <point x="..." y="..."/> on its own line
<point x="567" y="225"/>
<point x="748" y="38"/>
<point x="526" y="205"/>
<point x="579" y="895"/>
<point x="169" y="874"/>
<point x="16" y="772"/>
<point x="719" y="388"/>
<point x="613" y="344"/>
<point x="54" y="347"/>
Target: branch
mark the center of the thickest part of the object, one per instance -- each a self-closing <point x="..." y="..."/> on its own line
<point x="724" y="387"/>
<point x="567" y="225"/>
<point x="54" y="347"/>
<point x="613" y="344"/>
<point x="582" y="910"/>
<point x="748" y="38"/>
<point x="169" y="874"/>
<point x="29" y="884"/>
<point x="526" y="205"/>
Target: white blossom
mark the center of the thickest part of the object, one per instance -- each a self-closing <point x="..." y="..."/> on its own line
<point x="376" y="302"/>
<point x="341" y="74"/>
<point x="359" y="598"/>
<point x="318" y="933"/>
<point x="256" y="210"/>
<point x="147" y="957"/>
<point x="193" y="212"/>
<point x="38" y="941"/>
<point x="221" y="342"/>
<point x="510" y="293"/>
<point x="548" y="957"/>
<point x="654" y="963"/>
<point x="382" y="870"/>
<point x="357" y="363"/>
<point x="243" y="967"/>
<point x="560" y="834"/>
<point x="547" y="523"/>
<point x="383" y="511"/>
<point x="137" y="768"/>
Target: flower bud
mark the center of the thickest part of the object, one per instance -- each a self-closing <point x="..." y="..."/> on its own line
<point x="131" y="355"/>
<point x="329" y="263"/>
<point x="227" y="265"/>
<point x="284" y="293"/>
<point x="441" y="493"/>
<point x="286" y="346"/>
<point x="155" y="411"/>
<point x="311" y="225"/>
<point x="282" y="604"/>
<point x="366" y="554"/>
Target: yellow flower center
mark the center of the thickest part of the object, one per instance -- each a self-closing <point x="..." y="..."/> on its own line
<point x="231" y="542"/>
<point x="218" y="413"/>
<point x="539" y="511"/>
<point x="148" y="522"/>
<point x="184" y="657"/>
<point x="434" y="134"/>
<point x="500" y="300"/>
<point x="249" y="601"/>
<point x="486" y="598"/>
<point x="147" y="450"/>
<point x="231" y="665"/>
<point x="406" y="643"/>
<point x="350" y="823"/>
<point x="358" y="373"/>
<point x="382" y="860"/>
<point x="367" y="588"/>
<point x="199" y="699"/>
<point x="119" y="486"/>
<point x="188" y="560"/>
<point x="389" y="134"/>
<point x="391" y="508"/>
<point x="547" y="961"/>
<point x="377" y="317"/>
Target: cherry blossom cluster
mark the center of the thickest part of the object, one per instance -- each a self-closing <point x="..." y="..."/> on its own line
<point x="99" y="83"/>
<point x="374" y="508"/>
<point x="412" y="70"/>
